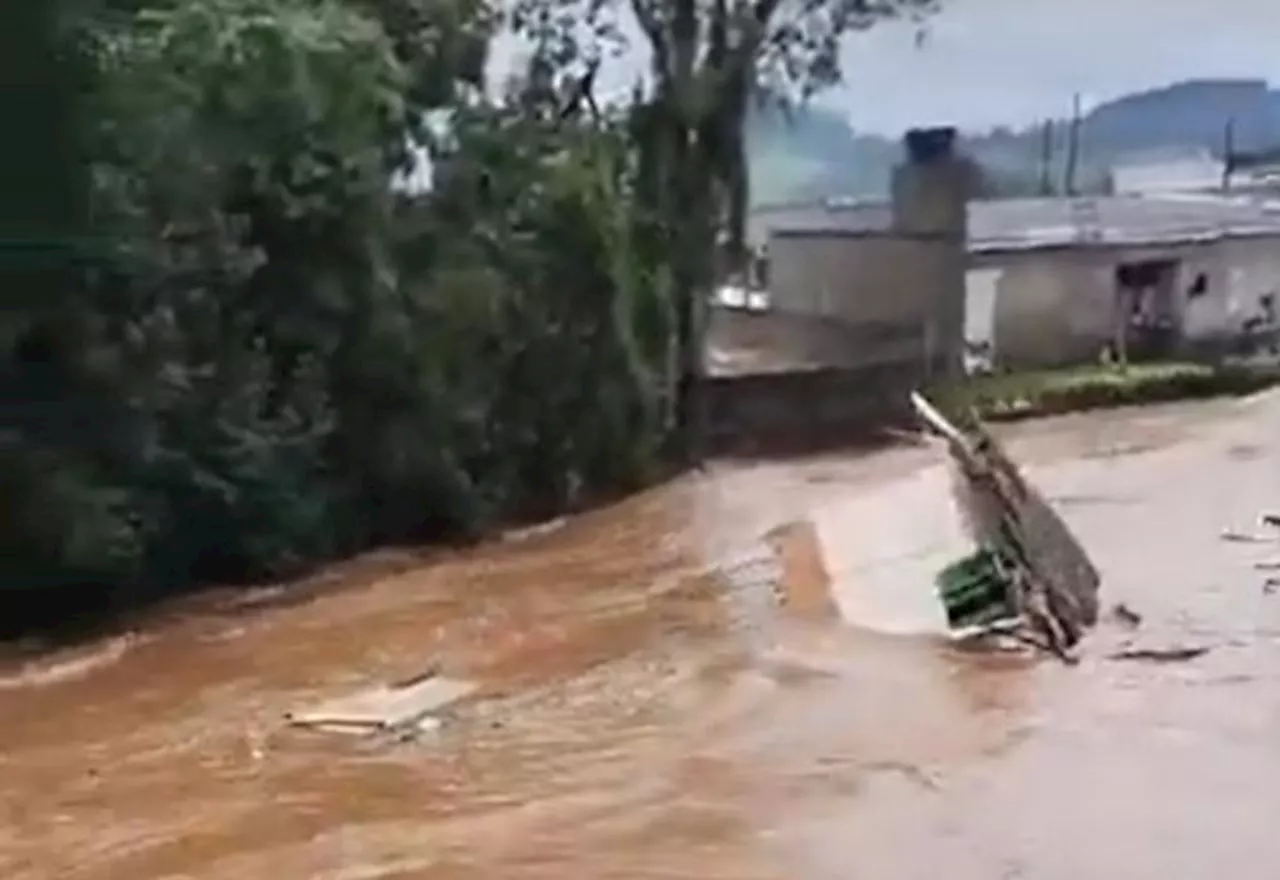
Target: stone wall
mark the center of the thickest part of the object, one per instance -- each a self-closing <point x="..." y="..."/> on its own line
<point x="807" y="410"/>
<point x="740" y="341"/>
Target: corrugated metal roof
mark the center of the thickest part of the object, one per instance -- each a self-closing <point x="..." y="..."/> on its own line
<point x="1170" y="218"/>
<point x="845" y="216"/>
<point x="1033" y="223"/>
<point x="1162" y="154"/>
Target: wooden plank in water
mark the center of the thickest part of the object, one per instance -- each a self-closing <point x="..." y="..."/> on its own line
<point x="937" y="420"/>
<point x="384" y="707"/>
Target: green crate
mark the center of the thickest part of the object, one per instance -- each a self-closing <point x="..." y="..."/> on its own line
<point x="973" y="590"/>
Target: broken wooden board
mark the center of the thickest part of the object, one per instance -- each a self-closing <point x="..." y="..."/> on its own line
<point x="936" y="420"/>
<point x="387" y="707"/>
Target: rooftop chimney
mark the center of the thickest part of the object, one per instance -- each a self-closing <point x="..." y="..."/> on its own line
<point x="925" y="145"/>
<point x="931" y="186"/>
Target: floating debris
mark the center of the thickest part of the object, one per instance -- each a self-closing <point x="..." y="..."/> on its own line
<point x="408" y="706"/>
<point x="1161" y="655"/>
<point x="1126" y="615"/>
<point x="538" y="530"/>
<point x="1246" y="537"/>
<point x="1269" y="520"/>
<point x="1028" y="575"/>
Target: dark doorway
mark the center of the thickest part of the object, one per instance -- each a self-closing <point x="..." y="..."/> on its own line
<point x="1147" y="317"/>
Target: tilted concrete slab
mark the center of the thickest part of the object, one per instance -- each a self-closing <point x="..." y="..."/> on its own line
<point x="883" y="550"/>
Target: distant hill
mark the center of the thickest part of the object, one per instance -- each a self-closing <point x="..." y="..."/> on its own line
<point x="813" y="152"/>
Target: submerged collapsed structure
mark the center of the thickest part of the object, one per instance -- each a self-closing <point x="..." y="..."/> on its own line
<point x="1028" y="575"/>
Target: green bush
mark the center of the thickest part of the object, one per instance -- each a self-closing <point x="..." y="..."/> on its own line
<point x="1020" y="395"/>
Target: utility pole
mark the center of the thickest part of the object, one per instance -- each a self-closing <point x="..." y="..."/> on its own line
<point x="1073" y="148"/>
<point x="1046" y="158"/>
<point x="1228" y="152"/>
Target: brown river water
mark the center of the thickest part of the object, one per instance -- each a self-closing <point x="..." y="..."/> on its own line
<point x="642" y="716"/>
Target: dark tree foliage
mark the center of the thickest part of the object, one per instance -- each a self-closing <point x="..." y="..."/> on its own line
<point x="230" y="349"/>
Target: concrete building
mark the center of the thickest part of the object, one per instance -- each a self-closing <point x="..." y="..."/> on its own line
<point x="1056" y="281"/>
<point x="1046" y="281"/>
<point x="1256" y="173"/>
<point x="856" y="283"/>
<point x="852" y="323"/>
<point x="1169" y="170"/>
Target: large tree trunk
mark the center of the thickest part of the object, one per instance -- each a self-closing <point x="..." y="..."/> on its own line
<point x="693" y="289"/>
<point x="703" y="65"/>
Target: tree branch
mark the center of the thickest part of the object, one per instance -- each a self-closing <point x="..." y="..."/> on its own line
<point x="583" y="93"/>
<point x="646" y="15"/>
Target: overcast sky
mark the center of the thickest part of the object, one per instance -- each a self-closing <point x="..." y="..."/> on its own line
<point x="987" y="62"/>
<point x="990" y="62"/>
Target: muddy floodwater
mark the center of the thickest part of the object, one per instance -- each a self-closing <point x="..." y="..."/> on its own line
<point x="642" y="715"/>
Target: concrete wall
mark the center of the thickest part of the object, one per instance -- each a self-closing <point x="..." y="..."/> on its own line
<point x="981" y="286"/>
<point x="1251" y="267"/>
<point x="1054" y="307"/>
<point x="1172" y="175"/>
<point x="1051" y="308"/>
<point x="887" y="289"/>
<point x="741" y="341"/>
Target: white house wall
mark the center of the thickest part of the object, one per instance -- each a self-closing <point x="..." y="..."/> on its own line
<point x="1055" y="307"/>
<point x="981" y="287"/>
<point x="1253" y="271"/>
<point x="1051" y="308"/>
<point x="1178" y="175"/>
<point x="1240" y="272"/>
<point x="1205" y="318"/>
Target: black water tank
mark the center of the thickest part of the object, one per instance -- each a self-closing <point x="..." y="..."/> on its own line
<point x="928" y="144"/>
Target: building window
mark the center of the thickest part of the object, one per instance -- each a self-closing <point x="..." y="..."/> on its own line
<point x="1199" y="287"/>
